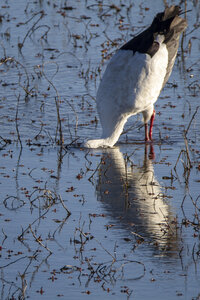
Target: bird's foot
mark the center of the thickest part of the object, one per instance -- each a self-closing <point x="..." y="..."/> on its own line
<point x="148" y="139"/>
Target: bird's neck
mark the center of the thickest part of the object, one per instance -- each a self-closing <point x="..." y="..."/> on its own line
<point x="110" y="135"/>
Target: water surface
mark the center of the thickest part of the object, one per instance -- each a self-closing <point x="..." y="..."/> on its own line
<point x="120" y="223"/>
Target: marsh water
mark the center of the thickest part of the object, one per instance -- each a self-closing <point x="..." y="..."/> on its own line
<point x="120" y="223"/>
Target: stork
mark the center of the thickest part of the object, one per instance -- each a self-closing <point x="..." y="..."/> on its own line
<point x="135" y="76"/>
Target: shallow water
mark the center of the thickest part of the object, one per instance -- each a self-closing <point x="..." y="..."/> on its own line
<point x="120" y="223"/>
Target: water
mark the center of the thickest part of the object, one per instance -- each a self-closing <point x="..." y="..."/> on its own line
<point x="120" y="223"/>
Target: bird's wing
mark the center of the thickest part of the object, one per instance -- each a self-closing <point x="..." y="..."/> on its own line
<point x="143" y="43"/>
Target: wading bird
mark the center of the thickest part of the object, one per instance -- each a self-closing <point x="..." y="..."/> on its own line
<point x="136" y="75"/>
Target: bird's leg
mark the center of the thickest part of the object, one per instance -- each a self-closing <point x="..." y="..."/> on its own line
<point x="151" y="152"/>
<point x="146" y="132"/>
<point x="151" y="125"/>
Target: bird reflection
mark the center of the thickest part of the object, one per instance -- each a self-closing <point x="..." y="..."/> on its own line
<point x="134" y="200"/>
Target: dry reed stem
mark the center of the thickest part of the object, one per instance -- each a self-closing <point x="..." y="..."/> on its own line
<point x="39" y="241"/>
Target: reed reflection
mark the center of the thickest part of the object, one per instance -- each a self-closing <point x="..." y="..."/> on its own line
<point x="133" y="198"/>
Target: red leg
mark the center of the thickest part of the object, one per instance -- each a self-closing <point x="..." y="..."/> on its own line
<point x="151" y="124"/>
<point x="146" y="132"/>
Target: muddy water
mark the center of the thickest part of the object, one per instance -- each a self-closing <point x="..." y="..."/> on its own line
<point x="121" y="223"/>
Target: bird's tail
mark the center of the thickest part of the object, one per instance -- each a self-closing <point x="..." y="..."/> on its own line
<point x="169" y="23"/>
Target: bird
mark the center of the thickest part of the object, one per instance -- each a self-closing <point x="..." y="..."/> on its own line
<point x="135" y="76"/>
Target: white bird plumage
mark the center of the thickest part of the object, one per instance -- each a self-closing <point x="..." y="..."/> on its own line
<point x="135" y="77"/>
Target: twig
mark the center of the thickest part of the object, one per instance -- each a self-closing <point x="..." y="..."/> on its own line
<point x="13" y="262"/>
<point x="97" y="168"/>
<point x="76" y="116"/>
<point x="37" y="135"/>
<point x="16" y="122"/>
<point x="5" y="236"/>
<point x="20" y="237"/>
<point x="11" y="59"/>
<point x="63" y="204"/>
<point x="20" y="45"/>
<point x="6" y="141"/>
<point x="193" y="116"/>
<point x="127" y="261"/>
<point x="38" y="240"/>
<point x="71" y="143"/>
<point x="138" y="235"/>
<point x="187" y="152"/>
<point x="57" y="98"/>
<point x="44" y="36"/>
<point x="114" y="258"/>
